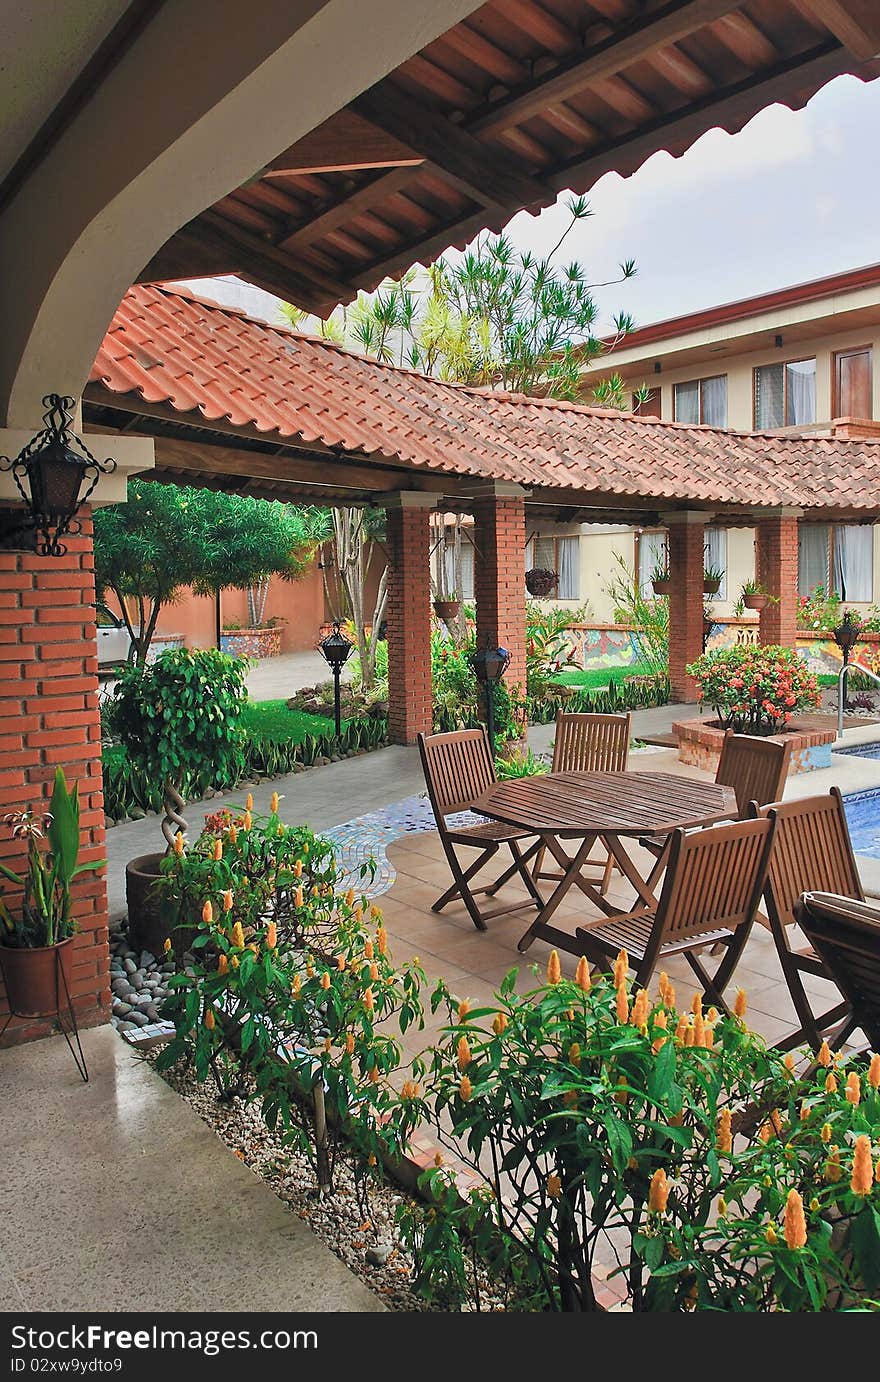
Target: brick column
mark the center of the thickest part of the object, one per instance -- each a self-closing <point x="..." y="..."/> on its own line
<point x="410" y="705"/>
<point x="686" y="564"/>
<point x="49" y="716"/>
<point x="776" y="564"/>
<point x="499" y="577"/>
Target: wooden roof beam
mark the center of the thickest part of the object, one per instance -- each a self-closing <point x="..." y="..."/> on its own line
<point x="344" y="143"/>
<point x="856" y="23"/>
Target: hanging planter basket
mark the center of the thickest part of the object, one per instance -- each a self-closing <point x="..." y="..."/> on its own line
<point x="711" y="587"/>
<point x="447" y="610"/>
<point x="540" y="582"/>
<point x="662" y="587"/>
<point x="756" y="601"/>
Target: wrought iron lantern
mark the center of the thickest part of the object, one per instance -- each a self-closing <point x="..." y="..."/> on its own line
<point x="336" y="650"/>
<point x="847" y="633"/>
<point x="489" y="666"/>
<point x="55" y="474"/>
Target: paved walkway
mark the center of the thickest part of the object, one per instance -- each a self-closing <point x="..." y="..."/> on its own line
<point x="276" y="678"/>
<point x="117" y="1196"/>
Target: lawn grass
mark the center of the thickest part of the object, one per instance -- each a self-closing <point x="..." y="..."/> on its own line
<point x="599" y="677"/>
<point x="275" y="720"/>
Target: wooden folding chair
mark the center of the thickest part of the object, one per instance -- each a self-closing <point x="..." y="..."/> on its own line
<point x="845" y="934"/>
<point x="588" y="743"/>
<point x="711" y="891"/>
<point x="813" y="852"/>
<point x="458" y="768"/>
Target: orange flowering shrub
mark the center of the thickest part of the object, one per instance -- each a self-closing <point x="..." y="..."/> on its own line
<point x="592" y="1112"/>
<point x="755" y="690"/>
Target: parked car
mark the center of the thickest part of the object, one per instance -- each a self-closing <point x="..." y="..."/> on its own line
<point x="115" y="647"/>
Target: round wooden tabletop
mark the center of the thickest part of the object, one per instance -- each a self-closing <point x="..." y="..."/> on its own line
<point x="574" y="804"/>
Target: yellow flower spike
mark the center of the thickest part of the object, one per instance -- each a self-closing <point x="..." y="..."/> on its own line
<point x="218" y="850"/>
<point x="833" y="1168"/>
<point x="238" y="936"/>
<point x="167" y="946"/>
<point x="369" y="1001"/>
<point x="374" y="1075"/>
<point x="689" y="1034"/>
<point x="658" y="1193"/>
<point x="826" y="1132"/>
<point x="349" y="1044"/>
<point x="662" y="986"/>
<point x="699" y="1028"/>
<point x="438" y="1158"/>
<point x="280" y="831"/>
<point x="306" y="847"/>
<point x="877" y="1171"/>
<point x="741" y="1003"/>
<point x="375" y="911"/>
<point x="554" y="1186"/>
<point x="316" y="891"/>
<point x="661" y="1019"/>
<point x="349" y="898"/>
<point x="222" y="964"/>
<point x="723" y="1132"/>
<point x="574" y="1053"/>
<point x="273" y="804"/>
<point x="681" y="1028"/>
<point x="670" y="995"/>
<point x="372" y="1159"/>
<point x="874" y="1071"/>
<point x="712" y="1015"/>
<point x="554" y="969"/>
<point x="255" y="949"/>
<point x="271" y="936"/>
<point x="465" y="1089"/>
<point x="463" y="1055"/>
<point x="788" y="1063"/>
<point x="641" y="1009"/>
<point x="697" y="1005"/>
<point x="328" y="1045"/>
<point x="298" y="898"/>
<point x="722" y="1207"/>
<point x="233" y="835"/>
<point x="368" y="950"/>
<point x="464" y="1008"/>
<point x="325" y="980"/>
<point x="853" y="1089"/>
<point x="814" y="1205"/>
<point x="341" y="963"/>
<point x="582" y="975"/>
<point x="382" y="941"/>
<point x="862" y="1179"/>
<point x="227" y="900"/>
<point x="374" y="973"/>
<point x="622" y="1005"/>
<point x="794" y="1225"/>
<point x="771" y="1236"/>
<point x="824" y="1056"/>
<point x="499" y="1025"/>
<point x="709" y="1037"/>
<point x="234" y="962"/>
<point x="621" y="968"/>
<point x="830" y="1084"/>
<point x="209" y="1019"/>
<point x="764" y="1133"/>
<point x="207" y="913"/>
<point x="248" y="821"/>
<point x="298" y="868"/>
<point x="804" y="1111"/>
<point x="249" y="802"/>
<point x="178" y="843"/>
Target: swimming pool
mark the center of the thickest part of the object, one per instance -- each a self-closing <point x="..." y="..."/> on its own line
<point x="869" y="750"/>
<point x="863" y="818"/>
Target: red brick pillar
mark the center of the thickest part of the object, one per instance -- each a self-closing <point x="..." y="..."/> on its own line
<point x="776" y="563"/>
<point x="499" y="579"/>
<point x="686" y="564"/>
<point x="49" y="717"/>
<point x="410" y="705"/>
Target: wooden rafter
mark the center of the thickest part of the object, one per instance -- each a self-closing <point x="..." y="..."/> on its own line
<point x="856" y="23"/>
<point x="344" y="143"/>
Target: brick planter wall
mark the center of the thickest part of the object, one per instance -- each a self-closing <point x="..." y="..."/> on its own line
<point x="251" y="642"/>
<point x="699" y="743"/>
<point x="49" y="717"/>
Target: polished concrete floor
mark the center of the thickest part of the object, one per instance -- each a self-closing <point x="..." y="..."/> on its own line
<point x="117" y="1196"/>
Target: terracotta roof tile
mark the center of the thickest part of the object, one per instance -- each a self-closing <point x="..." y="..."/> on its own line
<point x="174" y="348"/>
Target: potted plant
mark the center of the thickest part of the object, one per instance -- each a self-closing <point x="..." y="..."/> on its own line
<point x="38" y="937"/>
<point x="755" y="690"/>
<point x="447" y="607"/>
<point x="660" y="578"/>
<point x="179" y="720"/>
<point x="712" y="578"/>
<point x="756" y="596"/>
<point x="540" y="582"/>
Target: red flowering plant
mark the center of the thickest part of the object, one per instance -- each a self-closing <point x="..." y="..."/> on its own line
<point x="755" y="690"/>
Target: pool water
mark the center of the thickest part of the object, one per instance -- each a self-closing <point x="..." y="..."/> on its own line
<point x="870" y="750"/>
<point x="863" y="818"/>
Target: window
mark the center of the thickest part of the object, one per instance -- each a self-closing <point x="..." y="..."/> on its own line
<point x="785" y="394"/>
<point x="650" y="553"/>
<point x="466" y="592"/>
<point x="839" y="558"/>
<point x="650" y="407"/>
<point x="559" y="554"/>
<point x="702" y="401"/>
<point x="716" y="555"/>
<point x="853" y="382"/>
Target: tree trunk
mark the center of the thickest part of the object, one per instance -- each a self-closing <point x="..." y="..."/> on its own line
<point x="173" y="804"/>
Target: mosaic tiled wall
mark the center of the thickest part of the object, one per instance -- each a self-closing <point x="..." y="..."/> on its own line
<point x="603" y="645"/>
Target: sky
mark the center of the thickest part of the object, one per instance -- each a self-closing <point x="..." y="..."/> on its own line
<point x="793" y="196"/>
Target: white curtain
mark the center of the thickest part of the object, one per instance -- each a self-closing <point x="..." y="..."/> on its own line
<point x="541" y="554"/>
<point x="716" y="555"/>
<point x="687" y="402"/>
<point x="812" y="557"/>
<point x="569" y="549"/>
<point x="854" y="562"/>
<point x="652" y="551"/>
<point x="769" y="397"/>
<point x="800" y="379"/>
<point x="714" y="401"/>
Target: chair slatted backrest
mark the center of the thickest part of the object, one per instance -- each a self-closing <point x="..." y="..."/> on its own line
<point x="458" y="768"/>
<point x="588" y="743"/>
<point x="714" y="878"/>
<point x="846" y="936"/>
<point x="812" y="852"/>
<point x="755" y="768"/>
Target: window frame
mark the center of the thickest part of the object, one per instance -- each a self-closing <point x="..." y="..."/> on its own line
<point x="555" y="538"/>
<point x="700" y="381"/>
<point x="830" y="563"/>
<point x="784" y="364"/>
<point x="867" y="349"/>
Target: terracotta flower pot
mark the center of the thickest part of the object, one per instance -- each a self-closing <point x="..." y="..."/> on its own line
<point x="447" y="609"/>
<point x="147" y="929"/>
<point x="31" y="977"/>
<point x="711" y="587"/>
<point x="755" y="601"/>
<point x="662" y="587"/>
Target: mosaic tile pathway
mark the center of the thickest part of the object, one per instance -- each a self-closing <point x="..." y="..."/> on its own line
<point x="367" y="837"/>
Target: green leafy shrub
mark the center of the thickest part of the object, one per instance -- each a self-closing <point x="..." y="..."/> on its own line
<point x="648" y="617"/>
<point x="755" y="690"/>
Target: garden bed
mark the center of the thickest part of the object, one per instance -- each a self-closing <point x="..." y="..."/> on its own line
<point x="811" y="737"/>
<point x="255" y="642"/>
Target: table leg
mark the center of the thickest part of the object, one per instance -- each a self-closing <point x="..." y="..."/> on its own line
<point x="571" y="874"/>
<point x="644" y="887"/>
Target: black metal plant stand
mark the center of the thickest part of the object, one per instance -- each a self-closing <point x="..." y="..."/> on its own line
<point x="489" y="666"/>
<point x="336" y="650"/>
<point x="74" y="1045"/>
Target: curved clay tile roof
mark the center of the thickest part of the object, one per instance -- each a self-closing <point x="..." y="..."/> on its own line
<point x="216" y="364"/>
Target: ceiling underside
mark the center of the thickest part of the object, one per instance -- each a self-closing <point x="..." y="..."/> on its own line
<point x="510" y="107"/>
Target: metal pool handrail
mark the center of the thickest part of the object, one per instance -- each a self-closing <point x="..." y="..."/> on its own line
<point x="841" y="689"/>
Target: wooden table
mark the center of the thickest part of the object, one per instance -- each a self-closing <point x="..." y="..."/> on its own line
<point x="611" y="807"/>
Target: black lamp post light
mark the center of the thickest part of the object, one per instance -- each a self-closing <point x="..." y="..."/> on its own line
<point x="336" y="649"/>
<point x="54" y="474"/>
<point x="489" y="665"/>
